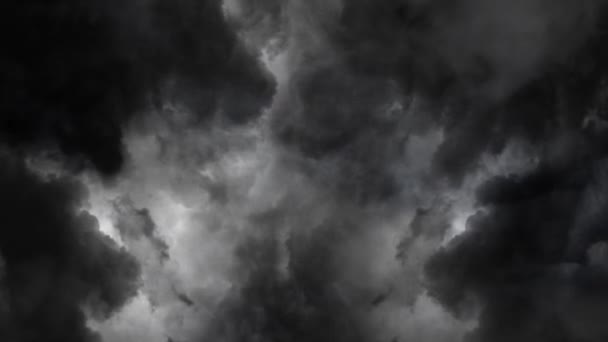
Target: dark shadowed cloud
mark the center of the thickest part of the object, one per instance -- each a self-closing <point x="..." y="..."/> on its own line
<point x="56" y="264"/>
<point x="532" y="257"/>
<point x="331" y="209"/>
<point x="73" y="76"/>
<point x="487" y="74"/>
<point x="73" y="73"/>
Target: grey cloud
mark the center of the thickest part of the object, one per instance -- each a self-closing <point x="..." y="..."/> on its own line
<point x="314" y="222"/>
<point x="57" y="267"/>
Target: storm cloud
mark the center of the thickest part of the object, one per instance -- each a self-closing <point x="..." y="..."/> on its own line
<point x="74" y="73"/>
<point x="323" y="170"/>
<point x="74" y="77"/>
<point x="56" y="265"/>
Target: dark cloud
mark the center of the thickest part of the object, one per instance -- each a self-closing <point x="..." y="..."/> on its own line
<point x="56" y="264"/>
<point x="348" y="126"/>
<point x="136" y="227"/>
<point x="488" y="73"/>
<point x="533" y="256"/>
<point x="73" y="76"/>
<point x="484" y="72"/>
<point x="141" y="237"/>
<point x="302" y="302"/>
<point x="73" y="73"/>
<point x="428" y="223"/>
<point x="531" y="259"/>
<point x="465" y="48"/>
<point x="261" y="20"/>
<point x="364" y="79"/>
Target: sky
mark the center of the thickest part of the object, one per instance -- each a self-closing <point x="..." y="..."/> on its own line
<point x="303" y="171"/>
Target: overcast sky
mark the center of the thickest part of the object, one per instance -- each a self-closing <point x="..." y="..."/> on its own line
<point x="303" y="171"/>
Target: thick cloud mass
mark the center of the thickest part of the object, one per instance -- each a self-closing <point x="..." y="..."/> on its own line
<point x="74" y="72"/>
<point x="74" y="76"/>
<point x="366" y="76"/>
<point x="55" y="263"/>
<point x="303" y="306"/>
<point x="535" y="258"/>
<point x="419" y="170"/>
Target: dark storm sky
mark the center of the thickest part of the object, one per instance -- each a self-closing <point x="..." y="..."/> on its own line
<point x="290" y="170"/>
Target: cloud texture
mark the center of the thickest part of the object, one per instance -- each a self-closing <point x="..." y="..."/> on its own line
<point x="322" y="170"/>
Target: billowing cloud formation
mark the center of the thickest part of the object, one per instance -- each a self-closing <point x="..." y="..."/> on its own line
<point x="56" y="264"/>
<point x="475" y="48"/>
<point x="487" y="75"/>
<point x="488" y="70"/>
<point x="535" y="257"/>
<point x="532" y="257"/>
<point x="427" y="170"/>
<point x="74" y="73"/>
